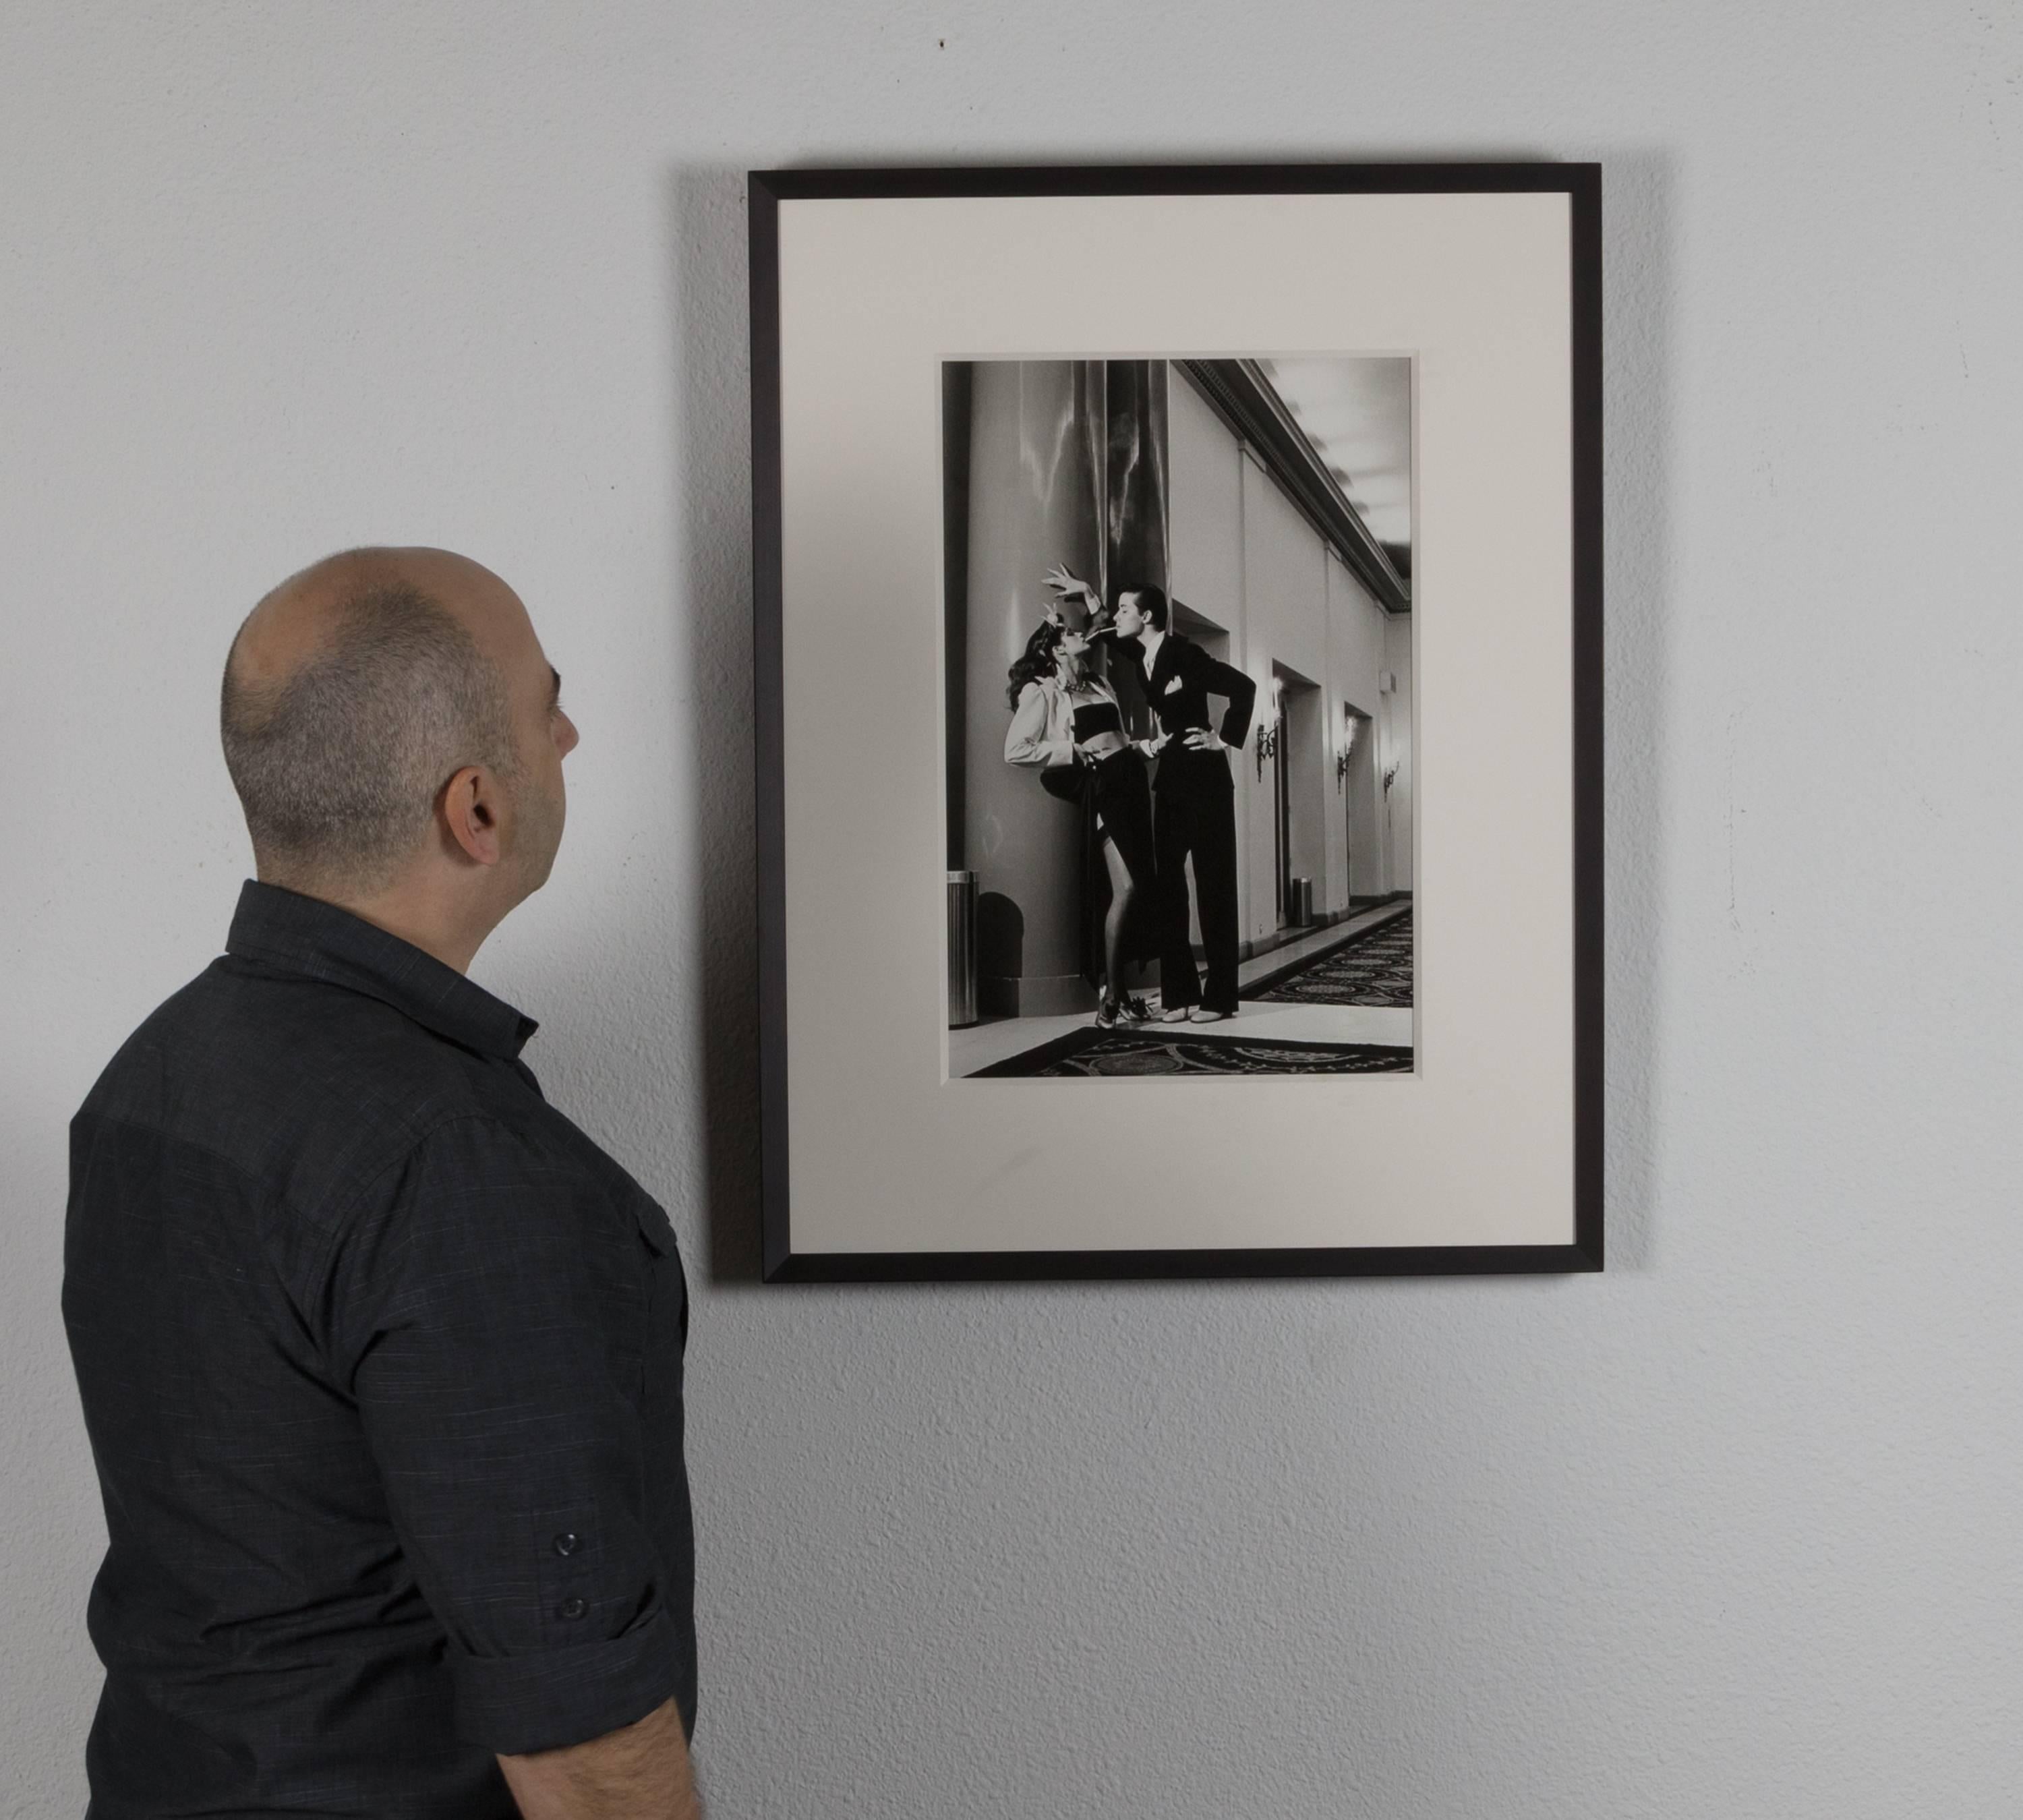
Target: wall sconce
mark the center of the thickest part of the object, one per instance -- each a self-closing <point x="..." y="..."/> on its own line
<point x="1341" y="768"/>
<point x="1267" y="747"/>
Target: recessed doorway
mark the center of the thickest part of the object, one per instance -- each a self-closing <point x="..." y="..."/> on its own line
<point x="1355" y="780"/>
<point x="1299" y="767"/>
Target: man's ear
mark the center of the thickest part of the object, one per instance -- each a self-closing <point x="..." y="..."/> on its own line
<point x="471" y="806"/>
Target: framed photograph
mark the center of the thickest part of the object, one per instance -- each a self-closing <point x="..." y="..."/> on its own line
<point x="1178" y="635"/>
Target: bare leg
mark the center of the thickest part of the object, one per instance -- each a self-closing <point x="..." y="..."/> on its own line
<point x="1121" y="888"/>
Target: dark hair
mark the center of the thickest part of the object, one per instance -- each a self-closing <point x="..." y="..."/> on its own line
<point x="1038" y="659"/>
<point x="1151" y="602"/>
<point x="337" y="765"/>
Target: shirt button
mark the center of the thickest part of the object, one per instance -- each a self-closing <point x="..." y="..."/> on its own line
<point x="568" y="1542"/>
<point x="573" y="1608"/>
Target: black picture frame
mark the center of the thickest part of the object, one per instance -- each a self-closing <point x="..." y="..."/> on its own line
<point x="1581" y="183"/>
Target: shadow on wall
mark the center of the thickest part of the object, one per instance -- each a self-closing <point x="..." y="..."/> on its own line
<point x="1001" y="954"/>
<point x="710" y="331"/>
<point x="1638" y="225"/>
<point x="658" y="1058"/>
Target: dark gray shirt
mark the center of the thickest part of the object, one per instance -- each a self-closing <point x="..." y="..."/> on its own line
<point x="381" y="1358"/>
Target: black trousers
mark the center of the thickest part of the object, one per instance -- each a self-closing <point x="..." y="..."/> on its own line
<point x="1194" y="816"/>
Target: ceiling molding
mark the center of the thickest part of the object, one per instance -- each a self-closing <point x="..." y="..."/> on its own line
<point x="1238" y="392"/>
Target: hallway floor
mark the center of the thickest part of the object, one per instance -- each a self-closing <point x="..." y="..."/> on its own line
<point x="988" y="1044"/>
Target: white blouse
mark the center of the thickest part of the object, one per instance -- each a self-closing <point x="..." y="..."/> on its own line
<point x="1042" y="729"/>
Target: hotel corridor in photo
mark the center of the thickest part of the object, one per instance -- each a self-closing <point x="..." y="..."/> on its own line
<point x="1272" y="501"/>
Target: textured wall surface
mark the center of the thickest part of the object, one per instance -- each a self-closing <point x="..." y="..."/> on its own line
<point x="1731" y="1531"/>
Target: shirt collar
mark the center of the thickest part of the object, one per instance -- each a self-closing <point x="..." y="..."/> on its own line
<point x="296" y="934"/>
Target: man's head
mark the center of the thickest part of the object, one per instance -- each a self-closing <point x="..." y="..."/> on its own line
<point x="1140" y="608"/>
<point x="394" y="730"/>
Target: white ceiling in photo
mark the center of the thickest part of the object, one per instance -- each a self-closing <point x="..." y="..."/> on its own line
<point x="1357" y="412"/>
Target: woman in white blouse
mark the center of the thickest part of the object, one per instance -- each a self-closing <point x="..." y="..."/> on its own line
<point x="1066" y="720"/>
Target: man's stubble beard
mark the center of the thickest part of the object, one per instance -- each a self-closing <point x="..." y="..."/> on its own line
<point x="541" y="818"/>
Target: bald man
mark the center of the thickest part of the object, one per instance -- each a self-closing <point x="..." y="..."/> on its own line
<point x="380" y="1356"/>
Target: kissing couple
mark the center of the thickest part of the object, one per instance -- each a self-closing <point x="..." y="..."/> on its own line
<point x="1139" y="836"/>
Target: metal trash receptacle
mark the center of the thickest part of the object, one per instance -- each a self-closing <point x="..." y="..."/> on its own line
<point x="961" y="950"/>
<point x="1302" y="906"/>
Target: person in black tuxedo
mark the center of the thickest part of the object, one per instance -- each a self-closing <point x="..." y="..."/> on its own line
<point x="1194" y="797"/>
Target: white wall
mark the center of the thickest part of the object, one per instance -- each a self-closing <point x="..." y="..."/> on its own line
<point x="1729" y="1532"/>
<point x="1357" y="633"/>
<point x="1395" y="751"/>
<point x="1203" y="508"/>
<point x="1290" y="603"/>
<point x="1205" y="557"/>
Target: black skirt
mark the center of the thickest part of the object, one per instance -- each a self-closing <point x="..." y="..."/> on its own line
<point x="1114" y="800"/>
<point x="1117" y="806"/>
<point x="1122" y="800"/>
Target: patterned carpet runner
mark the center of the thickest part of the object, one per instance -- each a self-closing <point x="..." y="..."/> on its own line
<point x="1374" y="968"/>
<point x="1152" y="1049"/>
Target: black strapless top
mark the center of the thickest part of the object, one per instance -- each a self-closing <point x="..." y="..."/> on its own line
<point x="1096" y="716"/>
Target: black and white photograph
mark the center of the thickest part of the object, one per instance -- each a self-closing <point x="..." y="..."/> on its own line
<point x="1178" y="633"/>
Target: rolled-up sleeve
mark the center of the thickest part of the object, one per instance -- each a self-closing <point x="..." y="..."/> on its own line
<point x="1025" y="740"/>
<point x="492" y="1321"/>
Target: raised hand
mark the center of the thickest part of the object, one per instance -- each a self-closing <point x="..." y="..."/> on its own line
<point x="1065" y="582"/>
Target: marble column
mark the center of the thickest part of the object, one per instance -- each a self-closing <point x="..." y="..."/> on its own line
<point x="1134" y="498"/>
<point x="1036" y="475"/>
<point x="1135" y="489"/>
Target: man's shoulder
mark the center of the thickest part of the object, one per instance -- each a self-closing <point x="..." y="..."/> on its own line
<point x="290" y="1080"/>
<point x="239" y="1017"/>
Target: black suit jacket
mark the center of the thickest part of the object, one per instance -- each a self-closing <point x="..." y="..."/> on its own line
<point x="1182" y="676"/>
